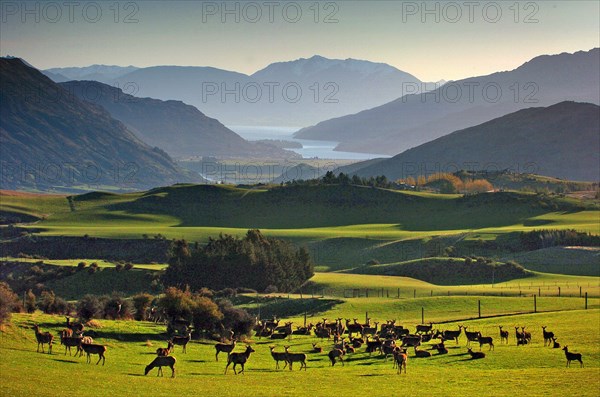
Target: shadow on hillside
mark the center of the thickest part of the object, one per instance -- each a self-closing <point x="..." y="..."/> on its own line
<point x="66" y="361"/>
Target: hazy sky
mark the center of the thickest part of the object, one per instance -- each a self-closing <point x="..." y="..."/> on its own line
<point x="432" y="40"/>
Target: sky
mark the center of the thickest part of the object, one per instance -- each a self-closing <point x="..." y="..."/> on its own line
<point x="432" y="40"/>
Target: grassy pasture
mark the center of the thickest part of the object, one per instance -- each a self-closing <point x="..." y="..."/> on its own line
<point x="532" y="370"/>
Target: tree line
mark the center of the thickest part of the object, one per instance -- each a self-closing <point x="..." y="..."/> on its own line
<point x="254" y="261"/>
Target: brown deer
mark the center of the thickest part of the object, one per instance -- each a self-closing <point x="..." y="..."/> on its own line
<point x="400" y="359"/>
<point x="239" y="358"/>
<point x="336" y="354"/>
<point x="162" y="361"/>
<point x="292" y="358"/>
<point x="181" y="341"/>
<point x="90" y="349"/>
<point x="476" y="355"/>
<point x="471" y="336"/>
<point x="555" y="344"/>
<point x="225" y="348"/>
<point x="165" y="351"/>
<point x="547" y="335"/>
<point x="278" y="357"/>
<point x="503" y="335"/>
<point x="572" y="356"/>
<point x="43" y="338"/>
<point x="485" y="340"/>
<point x="317" y="349"/>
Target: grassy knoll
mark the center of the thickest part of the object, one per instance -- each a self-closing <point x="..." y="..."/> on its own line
<point x="532" y="370"/>
<point x="583" y="261"/>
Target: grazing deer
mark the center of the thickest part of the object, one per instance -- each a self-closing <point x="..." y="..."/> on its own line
<point x="485" y="340"/>
<point x="43" y="338"/>
<point x="400" y="359"/>
<point x="336" y="354"/>
<point x="292" y="358"/>
<point x="476" y="355"/>
<point x="503" y="335"/>
<point x="162" y="361"/>
<point x="165" y="351"/>
<point x="317" y="349"/>
<point x="572" y="356"/>
<point x="555" y="344"/>
<point x="278" y="357"/>
<point x="547" y="335"/>
<point x="90" y="349"/>
<point x="181" y="341"/>
<point x="239" y="358"/>
<point x="225" y="348"/>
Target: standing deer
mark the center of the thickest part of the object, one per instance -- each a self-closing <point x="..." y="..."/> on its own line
<point x="291" y="358"/>
<point x="182" y="341"/>
<point x="225" y="348"/>
<point x="336" y="354"/>
<point x="43" y="338"/>
<point x="400" y="359"/>
<point x="165" y="351"/>
<point x="162" y="361"/>
<point x="239" y="358"/>
<point x="90" y="349"/>
<point x="278" y="357"/>
<point x="572" y="356"/>
<point x="547" y="335"/>
<point x="485" y="340"/>
<point x="503" y="335"/>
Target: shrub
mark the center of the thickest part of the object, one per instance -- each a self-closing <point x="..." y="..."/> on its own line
<point x="373" y="262"/>
<point x="30" y="305"/>
<point x="9" y="302"/>
<point x="81" y="266"/>
<point x="117" y="307"/>
<point x="128" y="266"/>
<point x="271" y="289"/>
<point x="89" y="307"/>
<point x="119" y="267"/>
<point x="141" y="304"/>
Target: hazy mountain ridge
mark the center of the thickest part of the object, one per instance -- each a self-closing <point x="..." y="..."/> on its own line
<point x="179" y="129"/>
<point x="299" y="92"/>
<point x="51" y="140"/>
<point x="415" y="119"/>
<point x="561" y="140"/>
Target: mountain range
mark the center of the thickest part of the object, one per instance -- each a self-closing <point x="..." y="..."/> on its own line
<point x="561" y="140"/>
<point x="296" y="93"/>
<point x="179" y="129"/>
<point x="51" y="140"/>
<point x="412" y="120"/>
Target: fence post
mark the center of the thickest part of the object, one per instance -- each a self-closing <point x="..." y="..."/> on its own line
<point x="422" y="315"/>
<point x="414" y="293"/>
<point x="559" y="292"/>
<point x="367" y="292"/>
<point x="366" y="317"/>
<point x="534" y="303"/>
<point x="539" y="291"/>
<point x="398" y="293"/>
<point x="431" y="292"/>
<point x="586" y="301"/>
<point x="580" y="292"/>
<point x="479" y="308"/>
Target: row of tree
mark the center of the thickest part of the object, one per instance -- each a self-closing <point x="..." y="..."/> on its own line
<point x="537" y="239"/>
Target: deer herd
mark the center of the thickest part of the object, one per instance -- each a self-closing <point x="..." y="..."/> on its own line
<point x="389" y="339"/>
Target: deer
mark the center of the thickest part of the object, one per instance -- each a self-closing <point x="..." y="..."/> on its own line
<point x="225" y="348"/>
<point x="421" y="353"/>
<point x="400" y="359"/>
<point x="450" y="334"/>
<point x="43" y="338"/>
<point x="370" y="330"/>
<point x="485" y="340"/>
<point x="424" y="328"/>
<point x="71" y="341"/>
<point x="74" y="327"/>
<point x="526" y="335"/>
<point x="162" y="361"/>
<point x="471" y="336"/>
<point x="547" y="335"/>
<point x="336" y="354"/>
<point x="476" y="355"/>
<point x="239" y="358"/>
<point x="353" y="327"/>
<point x="555" y="344"/>
<point x="317" y="349"/>
<point x="295" y="358"/>
<point x="164" y="351"/>
<point x="521" y="340"/>
<point x="441" y="348"/>
<point x="181" y="341"/>
<point x="503" y="335"/>
<point x="90" y="349"/>
<point x="278" y="357"/>
<point x="572" y="356"/>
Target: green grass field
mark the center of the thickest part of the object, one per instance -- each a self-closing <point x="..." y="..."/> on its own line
<point x="532" y="370"/>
